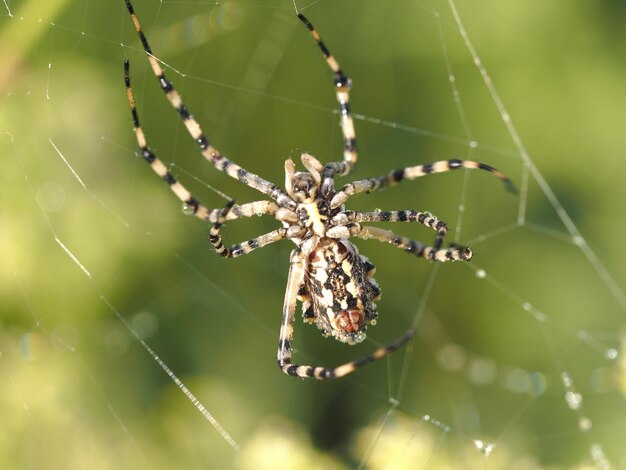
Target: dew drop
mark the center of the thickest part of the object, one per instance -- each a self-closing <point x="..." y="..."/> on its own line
<point x="481" y="274"/>
<point x="145" y="324"/>
<point x="482" y="371"/>
<point x="188" y="209"/>
<point x="485" y="448"/>
<point x="516" y="381"/>
<point x="566" y="379"/>
<point x="611" y="354"/>
<point x="536" y="384"/>
<point x="584" y="424"/>
<point x="574" y="400"/>
<point x="473" y="144"/>
<point x="452" y="357"/>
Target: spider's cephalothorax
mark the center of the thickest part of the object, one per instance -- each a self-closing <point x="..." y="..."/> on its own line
<point x="327" y="273"/>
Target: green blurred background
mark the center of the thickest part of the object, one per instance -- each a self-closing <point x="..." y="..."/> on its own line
<point x="486" y="382"/>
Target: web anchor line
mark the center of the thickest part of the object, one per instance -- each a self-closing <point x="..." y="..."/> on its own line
<point x="190" y="396"/>
<point x="579" y="240"/>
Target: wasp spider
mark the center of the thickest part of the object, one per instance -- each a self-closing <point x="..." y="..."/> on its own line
<point x="327" y="274"/>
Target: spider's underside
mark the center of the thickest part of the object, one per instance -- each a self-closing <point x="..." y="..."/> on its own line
<point x="327" y="274"/>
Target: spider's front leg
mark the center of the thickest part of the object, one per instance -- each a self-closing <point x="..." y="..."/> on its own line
<point x="342" y="84"/>
<point x="294" y="282"/>
<point x="453" y="253"/>
<point x="191" y="205"/>
<point x="410" y="173"/>
<point x="246" y="247"/>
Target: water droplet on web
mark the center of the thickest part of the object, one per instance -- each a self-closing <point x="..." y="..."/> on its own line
<point x="482" y="371"/>
<point x="536" y="384"/>
<point x="485" y="448"/>
<point x="566" y="379"/>
<point x="461" y="208"/>
<point x="481" y="274"/>
<point x="574" y="400"/>
<point x="451" y="78"/>
<point x="452" y="357"/>
<point x="473" y="144"/>
<point x="597" y="454"/>
<point x="187" y="209"/>
<point x="145" y="324"/>
<point x="584" y="424"/>
<point x="515" y="381"/>
<point x="611" y="354"/>
<point x="578" y="240"/>
<point x="527" y="306"/>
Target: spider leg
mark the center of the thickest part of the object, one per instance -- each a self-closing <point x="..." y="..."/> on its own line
<point x="410" y="173"/>
<point x="210" y="153"/>
<point x="294" y="283"/>
<point x="246" y="247"/>
<point x="424" y="218"/>
<point x="191" y="205"/>
<point x="342" y="89"/>
<point x="453" y="253"/>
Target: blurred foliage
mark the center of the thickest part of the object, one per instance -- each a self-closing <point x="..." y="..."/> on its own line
<point x="482" y="385"/>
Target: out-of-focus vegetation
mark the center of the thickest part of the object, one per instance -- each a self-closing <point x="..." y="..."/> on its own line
<point x="505" y="351"/>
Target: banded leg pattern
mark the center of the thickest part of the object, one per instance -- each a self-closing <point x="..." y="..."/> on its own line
<point x="409" y="173"/>
<point x="343" y="85"/>
<point x="210" y="153"/>
<point x="246" y="247"/>
<point x="191" y="205"/>
<point x="326" y="373"/>
<point x="424" y="218"/>
<point x="453" y="253"/>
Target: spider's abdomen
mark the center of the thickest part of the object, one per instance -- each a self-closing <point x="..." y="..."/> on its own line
<point x="339" y="292"/>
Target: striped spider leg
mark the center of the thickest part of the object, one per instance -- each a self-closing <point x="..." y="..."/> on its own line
<point x="342" y="84"/>
<point x="369" y="185"/>
<point x="208" y="151"/>
<point x="191" y="205"/>
<point x="327" y="274"/>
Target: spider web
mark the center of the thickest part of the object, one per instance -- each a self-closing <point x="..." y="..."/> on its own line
<point x="125" y="340"/>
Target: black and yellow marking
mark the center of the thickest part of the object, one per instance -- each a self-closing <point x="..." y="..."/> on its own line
<point x="246" y="247"/>
<point x="326" y="373"/>
<point x="424" y="218"/>
<point x="210" y="153"/>
<point x="453" y="253"/>
<point x="409" y="173"/>
<point x="342" y="86"/>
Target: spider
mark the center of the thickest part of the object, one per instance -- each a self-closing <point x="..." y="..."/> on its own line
<point x="327" y="274"/>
